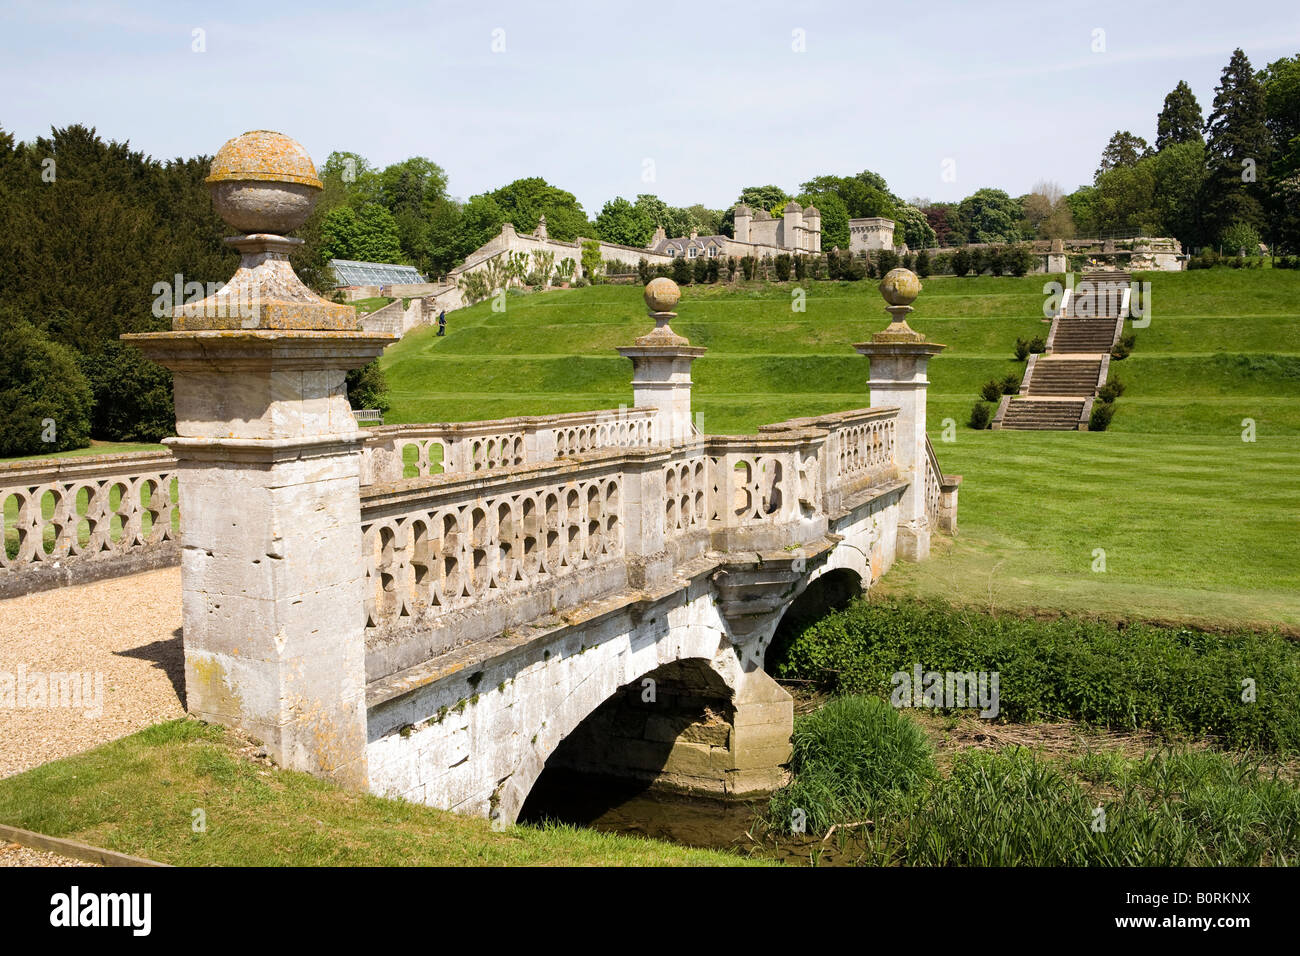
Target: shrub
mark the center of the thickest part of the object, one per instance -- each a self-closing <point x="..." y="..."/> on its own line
<point x="997" y="260"/>
<point x="979" y="260"/>
<point x="909" y="261"/>
<point x="1102" y="413"/>
<point x="1124" y="346"/>
<point x="1037" y="345"/>
<point x="643" y="270"/>
<point x="748" y="266"/>
<point x="1020" y="259"/>
<point x="1112" y="390"/>
<point x="1172" y="681"/>
<point x="850" y="756"/>
<point x="711" y="273"/>
<point x="681" y="271"/>
<point x="886" y="259"/>
<point x="981" y="416"/>
<point x="991" y="391"/>
<point x="132" y="395"/>
<point x="42" y="391"/>
<point x="923" y="264"/>
<point x="1239" y="239"/>
<point x="782" y="266"/>
<point x="700" y="270"/>
<point x="1022" y="349"/>
<point x="801" y="267"/>
<point x="1010" y="385"/>
<point x="368" y="387"/>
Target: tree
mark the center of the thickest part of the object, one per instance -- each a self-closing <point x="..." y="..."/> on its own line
<point x="945" y="219"/>
<point x="1179" y="174"/>
<point x="1126" y="198"/>
<point x="45" y="398"/>
<point x="834" y="217"/>
<point x="1237" y="148"/>
<point x="622" y="222"/>
<point x="991" y="215"/>
<point x="865" y="195"/>
<point x="1180" y="120"/>
<point x="132" y="395"/>
<point x="1124" y="149"/>
<point x="1240" y="239"/>
<point x="368" y="236"/>
<point x="915" y="228"/>
<point x="524" y="201"/>
<point x="1047" y="212"/>
<point x="1083" y="209"/>
<point x="368" y="387"/>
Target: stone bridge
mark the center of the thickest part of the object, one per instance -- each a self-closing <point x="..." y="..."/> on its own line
<point x="595" y="591"/>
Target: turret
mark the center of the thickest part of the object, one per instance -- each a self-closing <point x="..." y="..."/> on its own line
<point x="744" y="215"/>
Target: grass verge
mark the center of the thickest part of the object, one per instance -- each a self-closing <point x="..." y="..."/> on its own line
<point x="139" y="794"/>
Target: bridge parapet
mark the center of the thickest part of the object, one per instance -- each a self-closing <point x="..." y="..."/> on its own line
<point x="449" y="447"/>
<point x="476" y="553"/>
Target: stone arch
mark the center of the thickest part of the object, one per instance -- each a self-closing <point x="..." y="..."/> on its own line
<point x="830" y="588"/>
<point x="621" y="667"/>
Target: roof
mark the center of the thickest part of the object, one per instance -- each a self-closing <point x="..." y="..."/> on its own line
<point x="684" y="243"/>
<point x="351" y="272"/>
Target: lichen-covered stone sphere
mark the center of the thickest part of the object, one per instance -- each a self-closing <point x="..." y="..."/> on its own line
<point x="263" y="181"/>
<point x="900" y="287"/>
<point x="662" y="294"/>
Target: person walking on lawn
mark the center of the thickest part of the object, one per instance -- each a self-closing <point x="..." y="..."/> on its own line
<point x="442" y="322"/>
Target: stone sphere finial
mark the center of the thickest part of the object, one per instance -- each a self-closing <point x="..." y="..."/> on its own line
<point x="900" y="287"/>
<point x="263" y="182"/>
<point x="662" y="295"/>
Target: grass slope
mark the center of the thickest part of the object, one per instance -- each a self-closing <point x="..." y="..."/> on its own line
<point x="1196" y="523"/>
<point x="137" y="795"/>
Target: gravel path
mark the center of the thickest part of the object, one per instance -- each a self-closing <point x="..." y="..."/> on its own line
<point x="126" y="629"/>
<point x="15" y="854"/>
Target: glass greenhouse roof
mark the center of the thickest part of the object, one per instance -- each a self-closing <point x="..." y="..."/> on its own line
<point x="350" y="272"/>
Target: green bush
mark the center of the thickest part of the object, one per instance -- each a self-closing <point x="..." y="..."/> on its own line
<point x="1171" y="681"/>
<point x="1022" y="349"/>
<point x="1010" y="385"/>
<point x="700" y="270"/>
<point x="960" y="262"/>
<point x="43" y="393"/>
<point x="849" y="757"/>
<point x="132" y="395"/>
<point x="1102" y="412"/>
<point x="782" y="266"/>
<point x="981" y="416"/>
<point x="368" y="387"/>
<point x="997" y="260"/>
<point x="1112" y="390"/>
<point x="991" y="391"/>
<point x="681" y="271"/>
<point x="923" y="264"/>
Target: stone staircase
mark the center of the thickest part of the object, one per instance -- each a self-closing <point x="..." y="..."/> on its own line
<point x="1059" y="386"/>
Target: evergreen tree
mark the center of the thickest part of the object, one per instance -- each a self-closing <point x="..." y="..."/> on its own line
<point x="1180" y="121"/>
<point x="1124" y="149"/>
<point x="1237" y="147"/>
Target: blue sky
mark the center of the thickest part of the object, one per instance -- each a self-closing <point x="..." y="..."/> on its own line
<point x="714" y="95"/>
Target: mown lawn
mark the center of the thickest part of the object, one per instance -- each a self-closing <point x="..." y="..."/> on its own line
<point x="139" y="794"/>
<point x="1197" y="524"/>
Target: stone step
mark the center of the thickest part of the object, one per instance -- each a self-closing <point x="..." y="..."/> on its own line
<point x="1064" y="377"/>
<point x="1025" y="414"/>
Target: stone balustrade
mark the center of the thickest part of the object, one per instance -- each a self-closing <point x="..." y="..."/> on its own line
<point x="447" y="543"/>
<point x="69" y="519"/>
<point x="459" y="447"/>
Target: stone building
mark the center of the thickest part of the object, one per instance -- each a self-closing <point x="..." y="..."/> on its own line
<point x="866" y="235"/>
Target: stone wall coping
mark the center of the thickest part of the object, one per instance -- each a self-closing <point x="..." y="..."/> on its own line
<point x="834" y="419"/>
<point x="522" y="422"/>
<point x="408" y="491"/>
<point x="86" y="466"/>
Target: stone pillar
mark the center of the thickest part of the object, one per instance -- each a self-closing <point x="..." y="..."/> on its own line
<point x="899" y="357"/>
<point x="661" y="366"/>
<point x="1056" y="259"/>
<point x="271" y="564"/>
